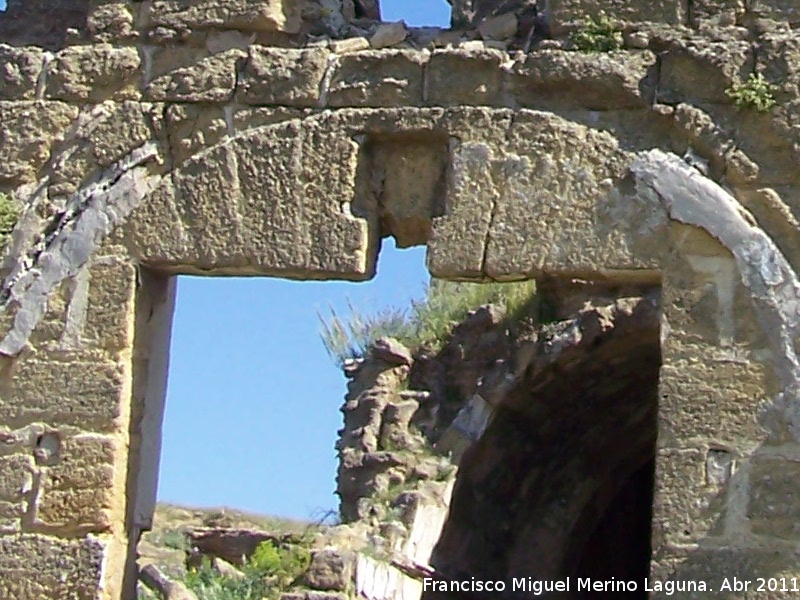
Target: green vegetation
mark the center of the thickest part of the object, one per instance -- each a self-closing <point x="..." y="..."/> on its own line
<point x="208" y="584"/>
<point x="272" y="569"/>
<point x="755" y="92"/>
<point x="9" y="214"/>
<point x="281" y="564"/>
<point x="427" y="323"/>
<point x="171" y="538"/>
<point x="597" y="35"/>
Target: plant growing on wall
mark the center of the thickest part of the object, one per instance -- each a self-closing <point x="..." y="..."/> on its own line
<point x="754" y="92"/>
<point x="427" y="322"/>
<point x="597" y="35"/>
<point x="9" y="213"/>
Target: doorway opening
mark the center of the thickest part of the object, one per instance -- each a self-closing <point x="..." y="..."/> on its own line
<point x="245" y="440"/>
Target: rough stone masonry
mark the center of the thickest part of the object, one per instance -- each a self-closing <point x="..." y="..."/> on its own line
<point x="141" y="140"/>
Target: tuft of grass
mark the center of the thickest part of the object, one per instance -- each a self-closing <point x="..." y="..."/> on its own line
<point x="427" y="323"/>
<point x="597" y="35"/>
<point x="351" y="336"/>
<point x="754" y="92"/>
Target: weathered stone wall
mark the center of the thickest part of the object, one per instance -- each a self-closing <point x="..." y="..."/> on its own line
<point x="260" y="137"/>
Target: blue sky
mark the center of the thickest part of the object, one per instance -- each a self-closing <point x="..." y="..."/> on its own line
<point x="253" y="398"/>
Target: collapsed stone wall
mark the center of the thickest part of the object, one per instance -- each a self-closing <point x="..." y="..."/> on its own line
<point x="159" y="138"/>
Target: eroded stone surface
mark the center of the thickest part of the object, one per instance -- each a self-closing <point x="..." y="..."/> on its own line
<point x="247" y="15"/>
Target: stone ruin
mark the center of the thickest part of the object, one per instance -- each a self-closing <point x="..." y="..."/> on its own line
<point x="140" y="140"/>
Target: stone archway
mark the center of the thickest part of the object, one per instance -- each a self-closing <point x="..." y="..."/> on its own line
<point x="231" y="176"/>
<point x="560" y="485"/>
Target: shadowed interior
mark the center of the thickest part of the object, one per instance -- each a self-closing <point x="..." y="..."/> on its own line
<point x="561" y="483"/>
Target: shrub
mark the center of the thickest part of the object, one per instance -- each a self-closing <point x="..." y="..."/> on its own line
<point x="208" y="584"/>
<point x="597" y="35"/>
<point x="270" y="570"/>
<point x="284" y="564"/>
<point x="755" y="92"/>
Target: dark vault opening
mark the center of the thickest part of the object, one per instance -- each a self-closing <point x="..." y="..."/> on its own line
<point x="561" y="483"/>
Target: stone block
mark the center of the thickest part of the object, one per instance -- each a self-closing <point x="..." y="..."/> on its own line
<point x="16" y="476"/>
<point x="244" y="15"/>
<point x="112" y="22"/>
<point x="387" y="78"/>
<point x="388" y="34"/>
<point x="716" y="12"/>
<point x="611" y="81"/>
<point x="110" y="307"/>
<point x="413" y="173"/>
<point x="34" y="566"/>
<point x="557" y="208"/>
<point x="193" y="128"/>
<point x="209" y="80"/>
<point x="11" y="514"/>
<point x="286" y="77"/>
<point x="76" y="492"/>
<point x="712" y="398"/>
<point x="563" y="13"/>
<point x="701" y="72"/>
<point x="19" y="73"/>
<point x="261" y="203"/>
<point x="94" y="74"/>
<point x="85" y="510"/>
<point x="82" y="392"/>
<point x="113" y="131"/>
<point x="155" y="232"/>
<point x="686" y="509"/>
<point x="722" y="567"/>
<point x="462" y="76"/>
<point x="85" y="461"/>
<point x="457" y="243"/>
<point x="774" y="503"/>
<point x="28" y="131"/>
<point x="770" y="139"/>
<point x="330" y="569"/>
<point x="779" y="59"/>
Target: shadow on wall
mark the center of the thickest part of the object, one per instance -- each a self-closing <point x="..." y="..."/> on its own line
<point x="44" y="23"/>
<point x="561" y="483"/>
